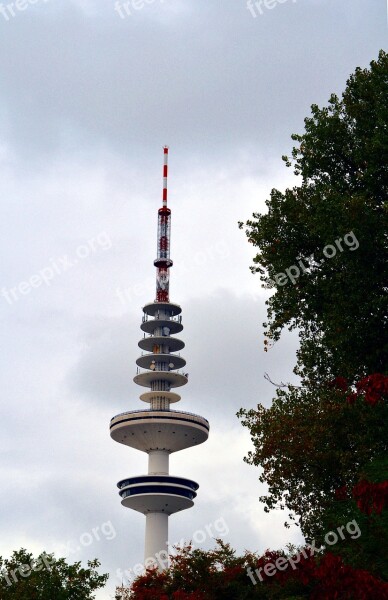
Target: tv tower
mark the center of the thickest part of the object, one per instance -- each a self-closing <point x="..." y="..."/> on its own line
<point x="158" y="430"/>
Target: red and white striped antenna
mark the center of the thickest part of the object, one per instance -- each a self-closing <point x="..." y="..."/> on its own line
<point x="165" y="175"/>
<point x="163" y="261"/>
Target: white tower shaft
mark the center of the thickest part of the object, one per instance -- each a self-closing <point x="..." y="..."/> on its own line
<point x="158" y="462"/>
<point x="156" y="539"/>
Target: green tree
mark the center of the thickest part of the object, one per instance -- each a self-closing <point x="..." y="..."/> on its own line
<point x="25" y="577"/>
<point x="339" y="304"/>
<point x="322" y="247"/>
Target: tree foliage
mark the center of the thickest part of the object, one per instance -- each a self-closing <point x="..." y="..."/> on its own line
<point x="322" y="446"/>
<point x="339" y="304"/>
<point x="24" y="577"/>
<point x="219" y="573"/>
<point x="310" y="445"/>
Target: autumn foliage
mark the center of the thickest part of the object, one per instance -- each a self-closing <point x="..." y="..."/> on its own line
<point x="220" y="575"/>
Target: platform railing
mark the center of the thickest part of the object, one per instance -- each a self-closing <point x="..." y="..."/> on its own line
<point x="149" y="410"/>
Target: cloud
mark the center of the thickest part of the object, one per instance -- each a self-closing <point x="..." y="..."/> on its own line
<point x="79" y="79"/>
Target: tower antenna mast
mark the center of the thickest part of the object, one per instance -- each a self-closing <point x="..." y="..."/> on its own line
<point x="163" y="261"/>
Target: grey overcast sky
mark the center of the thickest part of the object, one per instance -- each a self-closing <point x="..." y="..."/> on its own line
<point x="88" y="96"/>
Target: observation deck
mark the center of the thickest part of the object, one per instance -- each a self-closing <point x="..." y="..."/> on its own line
<point x="168" y="430"/>
<point x="157" y="493"/>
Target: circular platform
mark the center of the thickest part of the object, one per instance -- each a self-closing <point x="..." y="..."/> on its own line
<point x="152" y="308"/>
<point x="165" y="263"/>
<point x="170" y="396"/>
<point x="147" y="360"/>
<point x="157" y="499"/>
<point x="148" y="343"/>
<point x="162" y="479"/>
<point x="157" y="493"/>
<point x="152" y="324"/>
<point x="147" y="378"/>
<point x="169" y="430"/>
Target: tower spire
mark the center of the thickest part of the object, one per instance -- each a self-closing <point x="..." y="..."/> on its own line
<point x="159" y="431"/>
<point x="165" y="175"/>
<point x="163" y="261"/>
